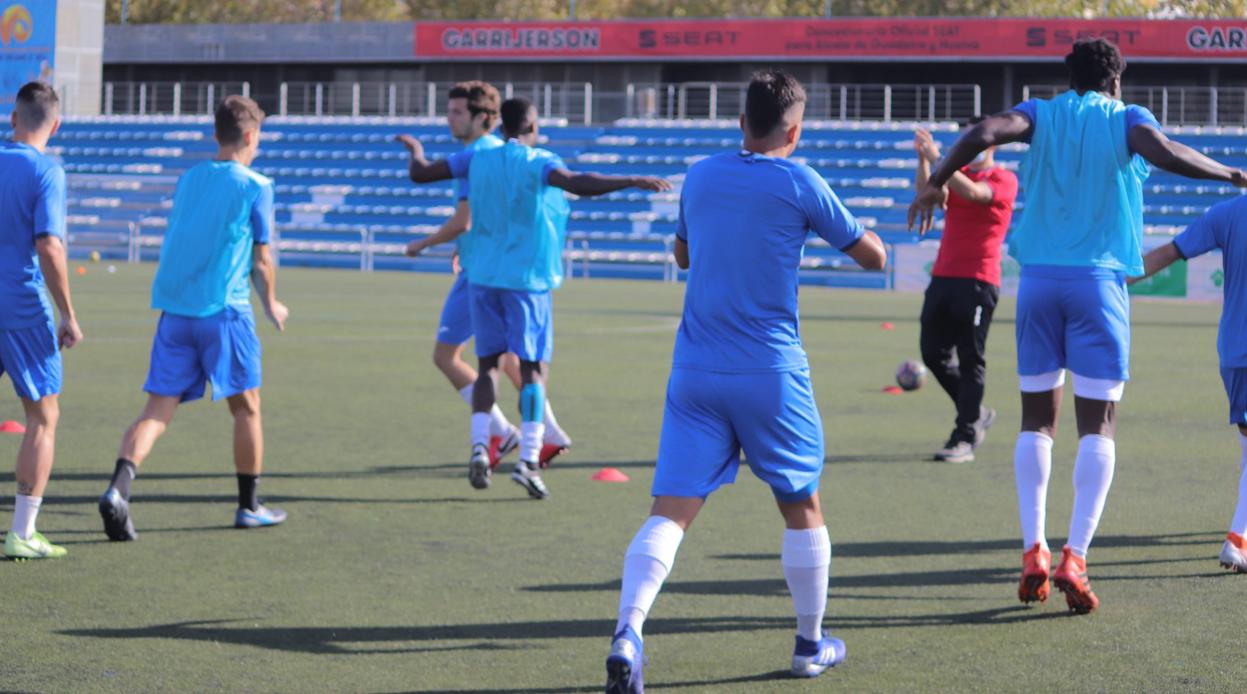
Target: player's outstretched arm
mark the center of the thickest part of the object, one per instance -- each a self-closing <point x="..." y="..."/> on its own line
<point x="591" y="184"/>
<point x="451" y="230"/>
<point x="1156" y="260"/>
<point x="55" y="267"/>
<point x="868" y="252"/>
<point x="420" y="169"/>
<point x="264" y="277"/>
<point x="1176" y="157"/>
<point x="1000" y="129"/>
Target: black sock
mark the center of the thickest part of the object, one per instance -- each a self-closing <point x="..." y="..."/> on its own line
<point x="123" y="475"/>
<point x="246" y="492"/>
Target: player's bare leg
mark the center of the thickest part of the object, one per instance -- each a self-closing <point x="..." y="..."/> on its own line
<point x="484" y="400"/>
<point x="1032" y="464"/>
<point x="136" y="445"/>
<point x="34" y="466"/>
<point x="1234" y="549"/>
<point x="249" y="461"/>
<point x="503" y="436"/>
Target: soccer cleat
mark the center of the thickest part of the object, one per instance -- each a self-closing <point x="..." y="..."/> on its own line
<point x="1234" y="553"/>
<point x="987" y="418"/>
<point x="1036" y="566"/>
<point x="500" y="446"/>
<point x="116" y="514"/>
<point x="479" y="470"/>
<point x="625" y="664"/>
<point x="1070" y="578"/>
<point x="813" y="658"/>
<point x="955" y="451"/>
<point x="549" y="451"/>
<point x="37" y="547"/>
<point x="261" y="517"/>
<point x="527" y="476"/>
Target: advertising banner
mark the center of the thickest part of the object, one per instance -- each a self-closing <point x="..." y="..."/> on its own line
<point x="27" y="46"/>
<point x="820" y="39"/>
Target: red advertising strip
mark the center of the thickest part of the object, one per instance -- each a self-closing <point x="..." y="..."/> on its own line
<point x="813" y="39"/>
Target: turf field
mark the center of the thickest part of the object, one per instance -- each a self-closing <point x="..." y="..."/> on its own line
<point x="394" y="575"/>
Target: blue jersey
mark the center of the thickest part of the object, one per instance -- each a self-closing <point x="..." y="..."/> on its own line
<point x="1084" y="187"/>
<point x="519" y="221"/>
<point x="32" y="204"/>
<point x="488" y="141"/>
<point x="220" y="210"/>
<point x="1225" y="227"/>
<point x="746" y="218"/>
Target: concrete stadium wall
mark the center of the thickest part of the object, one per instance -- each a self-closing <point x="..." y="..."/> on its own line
<point x="79" y="71"/>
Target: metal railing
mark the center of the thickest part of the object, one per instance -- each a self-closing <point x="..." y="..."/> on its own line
<point x="578" y="102"/>
<point x="1226" y="106"/>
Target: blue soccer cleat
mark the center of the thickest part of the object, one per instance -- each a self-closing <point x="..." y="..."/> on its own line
<point x="625" y="664"/>
<point x="813" y="658"/>
<point x="261" y="517"/>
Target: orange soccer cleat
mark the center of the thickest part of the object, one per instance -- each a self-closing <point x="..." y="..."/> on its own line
<point x="1071" y="578"/>
<point x="1036" y="563"/>
<point x="1234" y="553"/>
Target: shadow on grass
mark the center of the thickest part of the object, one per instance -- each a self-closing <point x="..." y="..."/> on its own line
<point x="764" y="677"/>
<point x="141" y="499"/>
<point x="382" y="640"/>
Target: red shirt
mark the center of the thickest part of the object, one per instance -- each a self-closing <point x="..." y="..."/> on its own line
<point x="973" y="233"/>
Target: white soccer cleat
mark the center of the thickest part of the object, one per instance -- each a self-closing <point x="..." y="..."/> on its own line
<point x="478" y="467"/>
<point x="1234" y="553"/>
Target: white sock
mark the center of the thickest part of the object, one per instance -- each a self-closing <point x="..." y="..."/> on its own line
<point x="1239" y="524"/>
<point x="498" y="424"/>
<point x="480" y="428"/>
<point x="25" y="511"/>
<point x="646" y="565"/>
<point x="530" y="440"/>
<point x="554" y="433"/>
<point x="1093" y="475"/>
<point x="806" y="557"/>
<point x="1032" y="464"/>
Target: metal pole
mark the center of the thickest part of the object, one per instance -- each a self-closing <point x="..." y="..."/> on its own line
<point x="1213" y="106"/>
<point x="320" y="98"/>
<point x="393" y="99"/>
<point x="143" y="99"/>
<point x="931" y="103"/>
<point x="211" y="98"/>
<point x="355" y="99"/>
<point x="887" y="102"/>
<point x="246" y="89"/>
<point x="125" y="11"/>
<point x="431" y="102"/>
<point x="337" y="10"/>
<point x="827" y="8"/>
<point x="844" y="102"/>
<point x="714" y="101"/>
<point x="630" y="92"/>
<point x="571" y="10"/>
<point x="588" y="103"/>
<point x="978" y="100"/>
<point x="548" y="100"/>
<point x="283" y="99"/>
<point x="177" y="98"/>
<point x="108" y="98"/>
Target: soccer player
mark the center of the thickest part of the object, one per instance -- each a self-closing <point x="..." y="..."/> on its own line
<point x="513" y="259"/>
<point x="740" y="377"/>
<point x="1079" y="237"/>
<point x="1224" y="227"/>
<point x="32" y="264"/>
<point x="965" y="285"/>
<point x="472" y="113"/>
<point x="218" y="235"/>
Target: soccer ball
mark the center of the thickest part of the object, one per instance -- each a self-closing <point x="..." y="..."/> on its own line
<point x="910" y="375"/>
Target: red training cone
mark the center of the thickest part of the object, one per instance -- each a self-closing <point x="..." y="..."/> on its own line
<point x="893" y="390"/>
<point x="12" y="427"/>
<point x="609" y="474"/>
<point x="887" y="326"/>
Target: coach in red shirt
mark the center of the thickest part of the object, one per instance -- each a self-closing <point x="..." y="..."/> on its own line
<point x="965" y="285"/>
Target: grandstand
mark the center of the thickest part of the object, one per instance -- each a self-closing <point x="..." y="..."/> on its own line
<point x="344" y="199"/>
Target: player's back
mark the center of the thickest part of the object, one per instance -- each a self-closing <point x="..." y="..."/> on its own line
<point x="746" y="218"/>
<point x="1084" y="186"/>
<point x="205" y="259"/>
<point x="32" y="199"/>
<point x="519" y="221"/>
<point x="1224" y="227"/>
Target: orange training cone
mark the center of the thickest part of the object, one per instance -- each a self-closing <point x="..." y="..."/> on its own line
<point x="887" y="326"/>
<point x="610" y="474"/>
<point x="892" y="390"/>
<point x="12" y="427"/>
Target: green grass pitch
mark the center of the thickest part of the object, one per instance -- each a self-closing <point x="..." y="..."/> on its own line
<point x="394" y="575"/>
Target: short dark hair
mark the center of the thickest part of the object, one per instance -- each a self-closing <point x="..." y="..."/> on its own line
<point x="771" y="93"/>
<point x="516" y="118"/>
<point x="234" y="116"/>
<point x="1093" y="63"/>
<point x="37" y="105"/>
<point x="482" y="97"/>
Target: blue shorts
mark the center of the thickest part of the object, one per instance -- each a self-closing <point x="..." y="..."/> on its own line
<point x="31" y="359"/>
<point x="1235" y="381"/>
<point x="1074" y="318"/>
<point x="506" y="320"/>
<point x="711" y="417"/>
<point x="455" y="326"/>
<point x="187" y="353"/>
